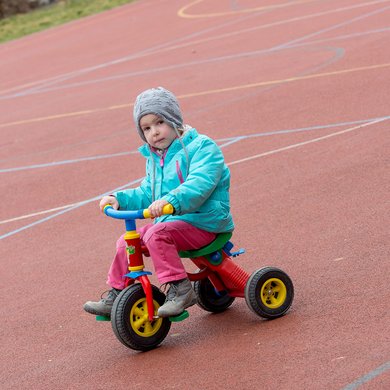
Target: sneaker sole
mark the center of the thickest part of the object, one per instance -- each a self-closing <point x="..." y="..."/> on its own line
<point x="91" y="310"/>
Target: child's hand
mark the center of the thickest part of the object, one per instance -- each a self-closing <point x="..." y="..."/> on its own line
<point x="111" y="200"/>
<point x="156" y="208"/>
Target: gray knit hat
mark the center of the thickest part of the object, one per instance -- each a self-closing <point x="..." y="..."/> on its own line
<point x="158" y="101"/>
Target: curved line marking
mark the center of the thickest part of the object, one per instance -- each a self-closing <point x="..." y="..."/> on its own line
<point x="199" y="41"/>
<point x="182" y="12"/>
<point x="247" y="54"/>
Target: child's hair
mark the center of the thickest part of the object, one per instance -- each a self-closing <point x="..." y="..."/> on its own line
<point x="161" y="102"/>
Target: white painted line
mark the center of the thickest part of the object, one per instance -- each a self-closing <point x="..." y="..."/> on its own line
<point x="66" y="209"/>
<point x="366" y="378"/>
<point x="305" y="142"/>
<point x="75" y="205"/>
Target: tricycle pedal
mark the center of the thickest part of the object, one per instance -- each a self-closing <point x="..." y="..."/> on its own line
<point x="103" y="318"/>
<point x="180" y="317"/>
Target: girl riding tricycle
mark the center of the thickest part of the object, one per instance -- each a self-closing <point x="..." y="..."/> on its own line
<point x="186" y="192"/>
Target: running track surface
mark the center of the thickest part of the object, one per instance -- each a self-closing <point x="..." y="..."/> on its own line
<point x="297" y="94"/>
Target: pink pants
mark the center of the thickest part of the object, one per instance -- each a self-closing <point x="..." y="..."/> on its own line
<point x="163" y="241"/>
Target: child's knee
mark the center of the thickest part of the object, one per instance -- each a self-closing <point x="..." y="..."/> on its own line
<point x="154" y="233"/>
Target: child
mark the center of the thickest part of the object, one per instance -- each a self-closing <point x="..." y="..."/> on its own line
<point x="188" y="171"/>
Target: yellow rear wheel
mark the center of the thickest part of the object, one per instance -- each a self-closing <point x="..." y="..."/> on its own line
<point x="269" y="292"/>
<point x="273" y="293"/>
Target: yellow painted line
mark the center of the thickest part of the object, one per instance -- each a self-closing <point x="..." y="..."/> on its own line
<point x="119" y="106"/>
<point x="65" y="115"/>
<point x="270" y="25"/>
<point x="204" y="93"/>
<point x="289" y="80"/>
<point x="51" y="117"/>
<point x="183" y="14"/>
<point x="36" y="214"/>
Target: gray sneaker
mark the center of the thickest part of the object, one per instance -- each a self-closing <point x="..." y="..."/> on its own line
<point x="180" y="296"/>
<point x="104" y="306"/>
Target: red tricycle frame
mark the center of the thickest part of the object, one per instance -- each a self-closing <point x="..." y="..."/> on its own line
<point x="268" y="291"/>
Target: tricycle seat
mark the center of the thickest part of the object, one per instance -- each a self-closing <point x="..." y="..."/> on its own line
<point x="219" y="242"/>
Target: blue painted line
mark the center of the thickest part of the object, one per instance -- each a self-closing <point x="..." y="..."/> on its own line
<point x="368" y="377"/>
<point x="68" y="209"/>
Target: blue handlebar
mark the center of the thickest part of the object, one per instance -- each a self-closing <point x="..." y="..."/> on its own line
<point x="134" y="214"/>
<point x="123" y="214"/>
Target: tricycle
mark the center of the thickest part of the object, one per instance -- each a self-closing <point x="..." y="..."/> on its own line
<point x="218" y="280"/>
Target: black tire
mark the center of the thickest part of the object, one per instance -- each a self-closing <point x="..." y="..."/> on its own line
<point x="209" y="299"/>
<point x="269" y="292"/>
<point x="130" y="321"/>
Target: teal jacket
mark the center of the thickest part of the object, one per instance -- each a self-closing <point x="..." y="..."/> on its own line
<point x="193" y="178"/>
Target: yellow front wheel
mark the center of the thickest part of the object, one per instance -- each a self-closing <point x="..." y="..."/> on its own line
<point x="130" y="320"/>
<point x="269" y="292"/>
<point x="139" y="319"/>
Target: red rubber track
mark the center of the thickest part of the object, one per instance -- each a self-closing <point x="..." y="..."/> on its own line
<point x="313" y="202"/>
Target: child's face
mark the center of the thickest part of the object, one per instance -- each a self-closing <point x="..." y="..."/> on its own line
<point x="157" y="133"/>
